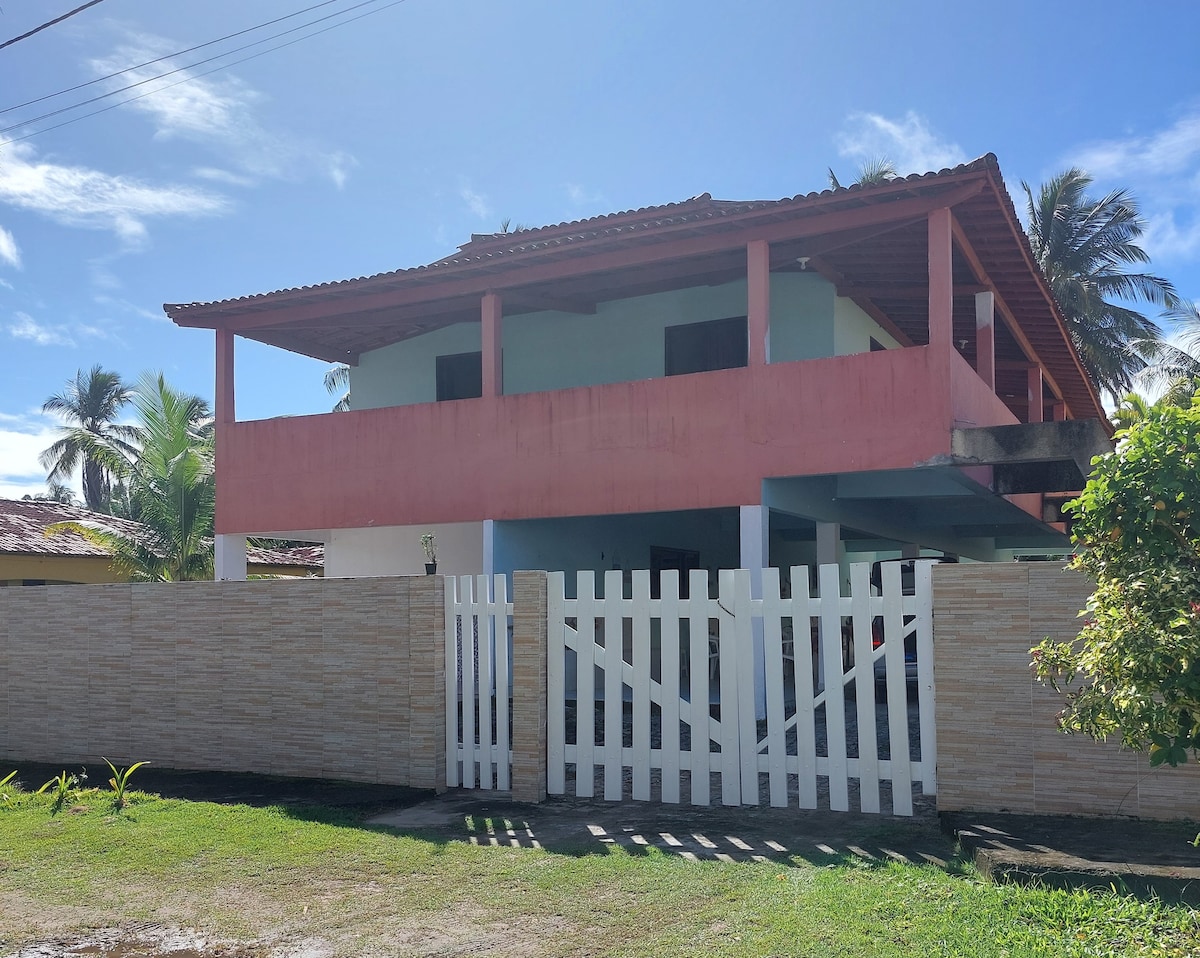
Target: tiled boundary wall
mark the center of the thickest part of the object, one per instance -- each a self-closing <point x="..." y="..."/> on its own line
<point x="337" y="678"/>
<point x="998" y="747"/>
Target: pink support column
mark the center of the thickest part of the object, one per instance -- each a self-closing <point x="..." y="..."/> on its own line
<point x="758" y="300"/>
<point x="492" y="316"/>
<point x="224" y="400"/>
<point x="1035" y="394"/>
<point x="1059" y="411"/>
<point x="985" y="338"/>
<point x="941" y="279"/>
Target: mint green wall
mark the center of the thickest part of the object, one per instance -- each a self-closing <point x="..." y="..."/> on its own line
<point x="853" y="330"/>
<point x="623" y="341"/>
<point x="801" y="317"/>
<point x="406" y="373"/>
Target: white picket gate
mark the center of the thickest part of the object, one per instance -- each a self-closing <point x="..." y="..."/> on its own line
<point x="749" y="691"/>
<point x="478" y="682"/>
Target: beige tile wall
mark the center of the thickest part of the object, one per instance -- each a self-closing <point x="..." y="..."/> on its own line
<point x="998" y="747"/>
<point x="339" y="678"/>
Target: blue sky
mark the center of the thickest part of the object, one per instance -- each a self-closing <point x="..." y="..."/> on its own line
<point x="385" y="142"/>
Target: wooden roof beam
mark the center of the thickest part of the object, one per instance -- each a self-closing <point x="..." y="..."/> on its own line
<point x="905" y="290"/>
<point x="297" y="344"/>
<point x="1010" y="319"/>
<point x="868" y="307"/>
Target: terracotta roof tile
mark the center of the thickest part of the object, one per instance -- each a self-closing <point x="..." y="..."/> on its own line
<point x="23" y="524"/>
<point x="490" y="246"/>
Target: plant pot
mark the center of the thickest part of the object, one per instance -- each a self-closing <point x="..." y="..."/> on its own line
<point x="430" y="568"/>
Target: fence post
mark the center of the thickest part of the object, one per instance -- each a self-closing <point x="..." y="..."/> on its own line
<point x="427" y="682"/>
<point x="529" y="687"/>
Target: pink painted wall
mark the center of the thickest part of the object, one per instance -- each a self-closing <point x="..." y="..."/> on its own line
<point x="975" y="403"/>
<point x="686" y="442"/>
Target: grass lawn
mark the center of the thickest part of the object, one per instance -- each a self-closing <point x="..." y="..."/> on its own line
<point x="317" y="881"/>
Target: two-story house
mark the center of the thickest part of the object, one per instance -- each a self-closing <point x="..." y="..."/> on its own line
<point x="863" y="372"/>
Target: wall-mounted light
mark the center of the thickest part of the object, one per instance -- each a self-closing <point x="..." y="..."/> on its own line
<point x="803" y="261"/>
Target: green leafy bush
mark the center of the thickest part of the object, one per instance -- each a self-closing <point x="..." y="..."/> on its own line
<point x="1134" y="669"/>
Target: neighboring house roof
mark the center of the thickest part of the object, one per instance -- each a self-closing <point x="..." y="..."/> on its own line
<point x="23" y="524"/>
<point x="870" y="239"/>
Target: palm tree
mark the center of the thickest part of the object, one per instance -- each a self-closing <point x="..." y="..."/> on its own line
<point x="1175" y="370"/>
<point x="55" y="492"/>
<point x="169" y="482"/>
<point x="1084" y="247"/>
<point x="337" y="379"/>
<point x="873" y="172"/>
<point x="89" y="405"/>
<point x="1134" y="408"/>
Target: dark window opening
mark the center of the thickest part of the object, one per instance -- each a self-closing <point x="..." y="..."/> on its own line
<point x="460" y="376"/>
<point x="662" y="558"/>
<point x="877" y="346"/>
<point x="700" y="347"/>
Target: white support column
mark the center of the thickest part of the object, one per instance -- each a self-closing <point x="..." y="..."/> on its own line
<point x="230" y="558"/>
<point x="985" y="337"/>
<point x="829" y="543"/>
<point x="489" y="547"/>
<point x="829" y="550"/>
<point x="755" y="556"/>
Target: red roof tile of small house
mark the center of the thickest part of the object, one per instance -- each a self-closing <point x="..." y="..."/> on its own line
<point x="23" y="524"/>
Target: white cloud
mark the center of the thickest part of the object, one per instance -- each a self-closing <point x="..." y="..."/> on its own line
<point x="338" y="166"/>
<point x="8" y="249"/>
<point x="221" y="176"/>
<point x="581" y="196"/>
<point x="908" y="142"/>
<point x="157" y="316"/>
<point x="79" y="196"/>
<point x="216" y="114"/>
<point x="22" y="439"/>
<point x="1162" y="170"/>
<point x="27" y="328"/>
<point x="1167" y="239"/>
<point x="1170" y="152"/>
<point x="476" y="202"/>
<point x="6" y="284"/>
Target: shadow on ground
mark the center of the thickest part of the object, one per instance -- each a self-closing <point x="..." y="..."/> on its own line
<point x="237" y="788"/>
<point x="735" y="834"/>
<point x="1136" y="857"/>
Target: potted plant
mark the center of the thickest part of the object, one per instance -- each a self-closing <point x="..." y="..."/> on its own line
<point x="429" y="544"/>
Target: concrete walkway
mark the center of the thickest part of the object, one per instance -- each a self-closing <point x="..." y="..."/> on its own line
<point x="712" y="833"/>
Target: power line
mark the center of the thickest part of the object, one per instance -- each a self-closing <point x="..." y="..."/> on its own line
<point x="49" y="23"/>
<point x="253" y="56"/>
<point x="177" y="53"/>
<point x="160" y="76"/>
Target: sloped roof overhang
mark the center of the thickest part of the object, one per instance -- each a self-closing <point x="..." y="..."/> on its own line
<point x="872" y="240"/>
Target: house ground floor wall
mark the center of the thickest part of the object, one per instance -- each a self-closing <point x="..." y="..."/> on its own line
<point x="396" y="550"/>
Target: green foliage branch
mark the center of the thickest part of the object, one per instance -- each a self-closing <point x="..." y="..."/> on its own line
<point x="1134" y="669"/>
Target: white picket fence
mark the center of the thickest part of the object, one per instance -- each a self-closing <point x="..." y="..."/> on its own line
<point x="734" y="688"/>
<point x="757" y="700"/>
<point x="478" y="682"/>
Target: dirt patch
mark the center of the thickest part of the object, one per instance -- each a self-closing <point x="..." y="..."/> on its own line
<point x="146" y="941"/>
